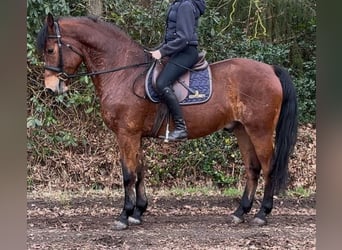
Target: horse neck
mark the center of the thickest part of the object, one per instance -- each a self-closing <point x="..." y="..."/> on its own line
<point x="103" y="47"/>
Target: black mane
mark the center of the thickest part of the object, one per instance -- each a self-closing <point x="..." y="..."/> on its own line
<point x="42" y="38"/>
<point x="43" y="33"/>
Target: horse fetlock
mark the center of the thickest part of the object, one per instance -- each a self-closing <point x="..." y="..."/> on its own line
<point x="141" y="206"/>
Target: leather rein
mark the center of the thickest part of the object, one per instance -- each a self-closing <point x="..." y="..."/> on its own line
<point x="62" y="75"/>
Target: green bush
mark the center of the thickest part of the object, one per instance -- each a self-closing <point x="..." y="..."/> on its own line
<point x="36" y="12"/>
<point x="221" y="35"/>
<point x="215" y="156"/>
<point x="275" y="32"/>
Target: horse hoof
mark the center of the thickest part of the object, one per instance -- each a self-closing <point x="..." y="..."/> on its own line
<point x="118" y="225"/>
<point x="258" y="222"/>
<point x="236" y="220"/>
<point x="134" y="221"/>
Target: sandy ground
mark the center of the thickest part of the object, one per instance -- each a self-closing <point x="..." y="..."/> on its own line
<point x="171" y="222"/>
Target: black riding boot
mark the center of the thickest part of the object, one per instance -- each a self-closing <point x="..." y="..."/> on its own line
<point x="171" y="101"/>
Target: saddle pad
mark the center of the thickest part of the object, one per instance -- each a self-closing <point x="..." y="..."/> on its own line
<point x="200" y="84"/>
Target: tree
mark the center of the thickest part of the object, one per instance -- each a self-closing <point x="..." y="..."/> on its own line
<point x="95" y="7"/>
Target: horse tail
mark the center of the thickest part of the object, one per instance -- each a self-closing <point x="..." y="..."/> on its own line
<point x="286" y="131"/>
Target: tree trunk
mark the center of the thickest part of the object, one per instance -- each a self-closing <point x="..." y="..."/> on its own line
<point x="95" y="7"/>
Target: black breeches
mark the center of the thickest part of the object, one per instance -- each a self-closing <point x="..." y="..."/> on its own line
<point x="176" y="66"/>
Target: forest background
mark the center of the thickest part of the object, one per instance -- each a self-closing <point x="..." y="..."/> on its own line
<point x="69" y="147"/>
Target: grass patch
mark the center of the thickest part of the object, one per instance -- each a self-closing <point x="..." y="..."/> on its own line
<point x="232" y="192"/>
<point x="177" y="191"/>
<point x="65" y="196"/>
<point x="300" y="192"/>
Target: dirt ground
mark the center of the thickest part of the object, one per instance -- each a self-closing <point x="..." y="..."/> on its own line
<point x="67" y="221"/>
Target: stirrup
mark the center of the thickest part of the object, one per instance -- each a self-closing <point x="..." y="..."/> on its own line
<point x="167" y="132"/>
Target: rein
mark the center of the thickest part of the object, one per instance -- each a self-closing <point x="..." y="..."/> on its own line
<point x="62" y="75"/>
<point x="65" y="76"/>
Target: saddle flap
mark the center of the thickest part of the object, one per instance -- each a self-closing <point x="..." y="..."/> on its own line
<point x="180" y="91"/>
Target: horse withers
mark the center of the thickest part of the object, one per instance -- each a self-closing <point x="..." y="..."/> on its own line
<point x="256" y="101"/>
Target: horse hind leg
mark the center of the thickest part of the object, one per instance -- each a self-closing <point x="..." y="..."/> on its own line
<point x="264" y="150"/>
<point x="253" y="168"/>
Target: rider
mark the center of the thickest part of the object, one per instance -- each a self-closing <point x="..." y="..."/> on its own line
<point x="180" y="45"/>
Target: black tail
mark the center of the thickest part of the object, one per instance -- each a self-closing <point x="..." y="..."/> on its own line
<point x="286" y="131"/>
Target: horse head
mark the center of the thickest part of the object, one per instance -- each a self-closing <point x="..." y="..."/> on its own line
<point x="60" y="55"/>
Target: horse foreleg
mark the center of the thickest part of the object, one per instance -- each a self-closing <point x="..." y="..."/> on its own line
<point x="141" y="199"/>
<point x="253" y="168"/>
<point x="130" y="155"/>
<point x="129" y="178"/>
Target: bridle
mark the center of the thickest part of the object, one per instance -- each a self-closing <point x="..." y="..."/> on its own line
<point x="63" y="76"/>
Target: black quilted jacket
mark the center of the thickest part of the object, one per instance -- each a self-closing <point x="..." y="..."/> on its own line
<point x="181" y="25"/>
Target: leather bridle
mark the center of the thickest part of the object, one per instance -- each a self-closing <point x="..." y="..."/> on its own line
<point x="63" y="76"/>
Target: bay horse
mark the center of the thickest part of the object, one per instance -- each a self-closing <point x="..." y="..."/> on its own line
<point x="254" y="100"/>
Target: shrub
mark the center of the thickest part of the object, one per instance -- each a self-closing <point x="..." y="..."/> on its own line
<point x="261" y="30"/>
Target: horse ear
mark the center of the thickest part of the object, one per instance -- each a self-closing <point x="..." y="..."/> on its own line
<point x="49" y="20"/>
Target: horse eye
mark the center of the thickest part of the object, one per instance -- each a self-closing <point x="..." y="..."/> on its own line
<point x="49" y="51"/>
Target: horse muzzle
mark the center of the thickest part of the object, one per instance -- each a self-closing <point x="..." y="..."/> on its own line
<point x="55" y="85"/>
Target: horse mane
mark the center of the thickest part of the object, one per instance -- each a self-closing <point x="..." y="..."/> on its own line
<point x="43" y="33"/>
<point x="41" y="38"/>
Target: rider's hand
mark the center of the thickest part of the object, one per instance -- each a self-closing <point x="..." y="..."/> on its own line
<point x="156" y="54"/>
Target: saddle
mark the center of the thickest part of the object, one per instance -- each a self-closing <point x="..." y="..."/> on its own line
<point x="193" y="87"/>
